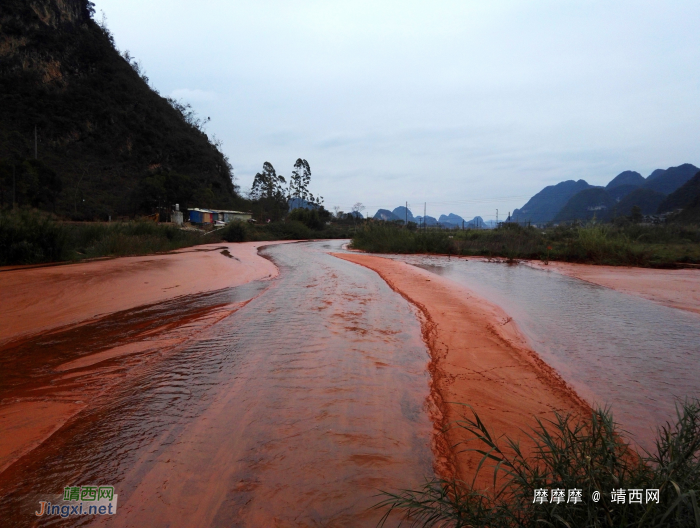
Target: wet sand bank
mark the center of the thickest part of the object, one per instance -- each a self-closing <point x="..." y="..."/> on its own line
<point x="38" y="299"/>
<point x="479" y="358"/>
<point x="71" y="333"/>
<point x="673" y="288"/>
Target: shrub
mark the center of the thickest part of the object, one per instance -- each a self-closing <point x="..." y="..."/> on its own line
<point x="311" y="218"/>
<point x="568" y="453"/>
<point x="30" y="237"/>
<point x="235" y="231"/>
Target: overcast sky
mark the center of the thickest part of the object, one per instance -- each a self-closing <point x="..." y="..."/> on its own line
<point x="468" y="105"/>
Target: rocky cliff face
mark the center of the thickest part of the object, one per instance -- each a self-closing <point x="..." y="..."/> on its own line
<point x="25" y="25"/>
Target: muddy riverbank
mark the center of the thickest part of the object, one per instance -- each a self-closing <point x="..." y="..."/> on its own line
<point x="38" y="299"/>
<point x="673" y="288"/>
<point x="69" y="333"/>
<point x="479" y="358"/>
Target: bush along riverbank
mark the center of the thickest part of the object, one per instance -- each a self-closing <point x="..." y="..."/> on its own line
<point x="33" y="237"/>
<point x="662" y="246"/>
<point x="29" y="236"/>
<point x="580" y="474"/>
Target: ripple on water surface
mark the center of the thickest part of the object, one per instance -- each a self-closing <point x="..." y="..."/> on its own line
<point x="292" y="411"/>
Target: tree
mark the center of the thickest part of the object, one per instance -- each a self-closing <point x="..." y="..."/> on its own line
<point x="299" y="183"/>
<point x="267" y="184"/>
<point x="636" y="215"/>
<point x="357" y="209"/>
<point x="269" y="193"/>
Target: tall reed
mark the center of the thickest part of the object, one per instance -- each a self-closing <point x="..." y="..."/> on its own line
<point x="569" y="454"/>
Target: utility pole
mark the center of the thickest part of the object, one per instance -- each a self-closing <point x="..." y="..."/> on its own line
<point x="36" y="151"/>
<point x="496" y="217"/>
<point x="406" y="224"/>
<point x="425" y="206"/>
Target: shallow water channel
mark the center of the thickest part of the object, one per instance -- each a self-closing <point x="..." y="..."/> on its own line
<point x="293" y="411"/>
<point x="637" y="356"/>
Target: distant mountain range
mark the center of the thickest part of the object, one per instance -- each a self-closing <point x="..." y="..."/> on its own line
<point x="577" y="200"/>
<point x="662" y="191"/>
<point x="450" y="221"/>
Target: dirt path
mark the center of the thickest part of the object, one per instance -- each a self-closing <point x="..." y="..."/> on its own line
<point x="478" y="358"/>
<point x="674" y="288"/>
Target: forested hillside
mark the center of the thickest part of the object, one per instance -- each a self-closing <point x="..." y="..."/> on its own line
<point x="81" y="131"/>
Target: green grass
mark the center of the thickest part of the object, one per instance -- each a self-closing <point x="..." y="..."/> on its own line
<point x="664" y="246"/>
<point x="31" y="237"/>
<point x="569" y="453"/>
<point x="285" y="230"/>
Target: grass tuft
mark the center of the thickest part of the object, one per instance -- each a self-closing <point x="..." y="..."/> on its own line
<point x="569" y="453"/>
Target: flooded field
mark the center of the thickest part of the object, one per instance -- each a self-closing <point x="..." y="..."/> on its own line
<point x="292" y="411"/>
<point x="635" y="355"/>
<point x="290" y="402"/>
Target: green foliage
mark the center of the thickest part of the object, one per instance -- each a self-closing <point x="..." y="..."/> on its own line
<point x="391" y="238"/>
<point x="584" y="205"/>
<point x="107" y="135"/>
<point x="683" y="197"/>
<point x="235" y="231"/>
<point x="30" y="182"/>
<point x="636" y="214"/>
<point x="32" y="237"/>
<point x="647" y="200"/>
<point x="29" y="237"/>
<point x="622" y="244"/>
<point x="569" y="453"/>
<point x="299" y="183"/>
<point x="268" y="194"/>
<point x="312" y="218"/>
<point x="292" y="230"/>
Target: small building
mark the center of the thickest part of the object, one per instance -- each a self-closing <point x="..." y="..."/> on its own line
<point x="230" y="216"/>
<point x="201" y="216"/>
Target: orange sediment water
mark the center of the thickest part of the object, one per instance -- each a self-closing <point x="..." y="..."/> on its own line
<point x="479" y="359"/>
<point x="293" y="409"/>
<point x="279" y="391"/>
<point x="673" y="288"/>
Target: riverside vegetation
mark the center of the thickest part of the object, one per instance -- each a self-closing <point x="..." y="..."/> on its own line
<point x="568" y="453"/>
<point x="30" y="236"/>
<point x="661" y="246"/>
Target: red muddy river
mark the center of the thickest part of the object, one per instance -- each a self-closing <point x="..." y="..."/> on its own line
<point x="298" y="399"/>
<point x="291" y="402"/>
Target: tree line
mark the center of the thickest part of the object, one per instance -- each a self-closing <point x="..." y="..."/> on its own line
<point x="272" y="195"/>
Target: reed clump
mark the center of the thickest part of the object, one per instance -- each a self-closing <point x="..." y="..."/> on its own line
<point x="569" y="454"/>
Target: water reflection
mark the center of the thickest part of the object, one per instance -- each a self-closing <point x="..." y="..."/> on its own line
<point x="615" y="349"/>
